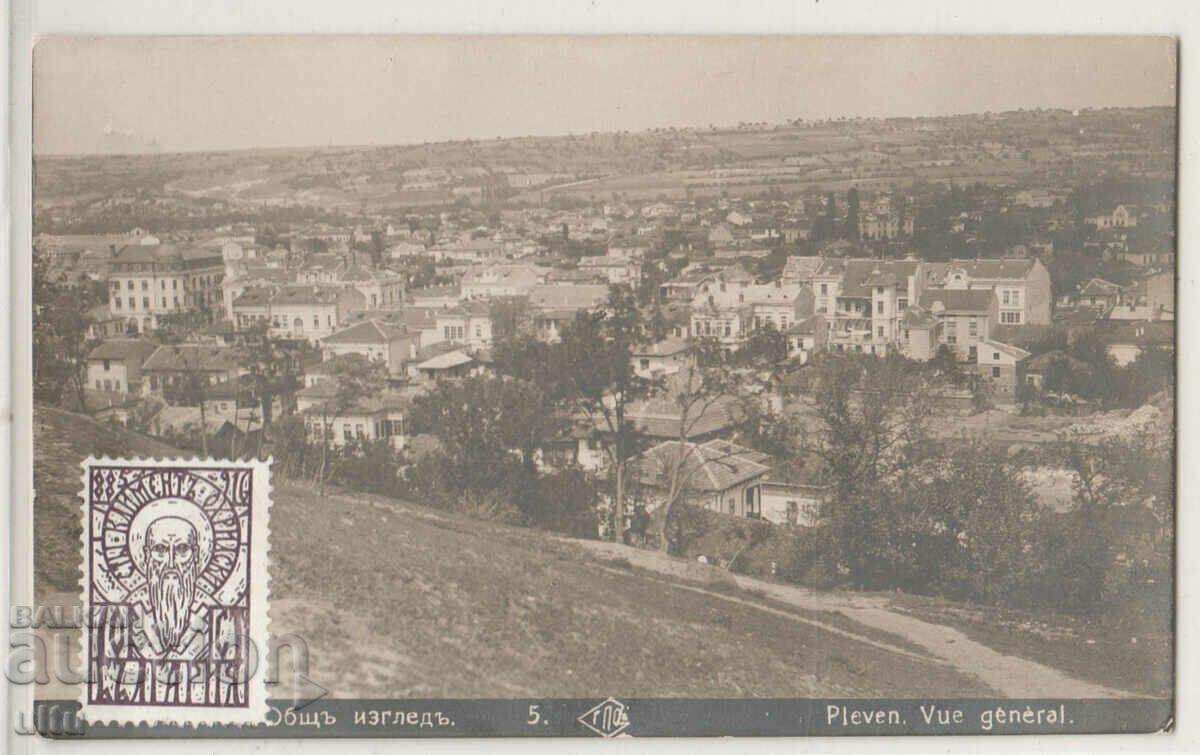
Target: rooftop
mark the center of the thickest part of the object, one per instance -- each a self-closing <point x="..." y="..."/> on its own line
<point x="714" y="466"/>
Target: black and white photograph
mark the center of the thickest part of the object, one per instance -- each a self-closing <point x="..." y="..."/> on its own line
<point x="609" y="386"/>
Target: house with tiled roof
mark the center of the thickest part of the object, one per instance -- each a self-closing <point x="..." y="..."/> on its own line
<point x="102" y="324"/>
<point x="1121" y="216"/>
<point x="1022" y="286"/>
<point x="614" y="270"/>
<point x="799" y="269"/>
<point x="779" y="304"/>
<point x="171" y="369"/>
<point x="717" y="475"/>
<point x="1003" y="366"/>
<point x="490" y="281"/>
<point x="311" y="313"/>
<point x="470" y="322"/>
<point x="665" y="357"/>
<point x="864" y="301"/>
<point x="921" y="333"/>
<point x="380" y="288"/>
<point x="965" y="317"/>
<point x="806" y="337"/>
<point x="371" y="418"/>
<point x="553" y="307"/>
<point x="375" y="339"/>
<point x="115" y="366"/>
<point x="435" y="296"/>
<point x="1126" y="343"/>
<point x="1098" y="293"/>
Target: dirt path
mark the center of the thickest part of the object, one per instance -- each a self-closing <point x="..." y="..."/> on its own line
<point x="1008" y="675"/>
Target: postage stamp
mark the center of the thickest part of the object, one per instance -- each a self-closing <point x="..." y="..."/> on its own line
<point x="175" y="590"/>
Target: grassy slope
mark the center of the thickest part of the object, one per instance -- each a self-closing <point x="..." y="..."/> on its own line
<point x="396" y="602"/>
<point x="1133" y="652"/>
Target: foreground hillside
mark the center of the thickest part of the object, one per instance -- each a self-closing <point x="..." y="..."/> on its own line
<point x="394" y="602"/>
<point x="397" y="600"/>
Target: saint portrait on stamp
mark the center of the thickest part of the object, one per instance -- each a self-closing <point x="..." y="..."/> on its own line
<point x="174" y="588"/>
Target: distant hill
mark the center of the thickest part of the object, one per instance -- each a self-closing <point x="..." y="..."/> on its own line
<point x="397" y="600"/>
<point x="112" y="142"/>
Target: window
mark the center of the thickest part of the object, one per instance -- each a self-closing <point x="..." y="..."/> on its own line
<point x="996" y="356"/>
<point x="164" y="301"/>
<point x="995" y="372"/>
<point x="973" y="327"/>
<point x="316" y="322"/>
<point x="951" y="338"/>
<point x="176" y="302"/>
<point x="879" y="331"/>
<point x="645" y="364"/>
<point x="116" y="302"/>
<point x="973" y="353"/>
<point x="879" y="306"/>
<point x="129" y="285"/>
<point x="145" y="302"/>
<point x="824" y="289"/>
<point x="728" y="329"/>
<point x="97" y="383"/>
<point x="1016" y="298"/>
<point x="346" y="432"/>
<point x="1004" y="297"/>
<point x="902" y="304"/>
<point x="1011" y="318"/>
<point x="175" y="284"/>
<point x="358" y="430"/>
<point x="879" y="289"/>
<point x="132" y="303"/>
<point x="145" y="285"/>
<point x="479" y="331"/>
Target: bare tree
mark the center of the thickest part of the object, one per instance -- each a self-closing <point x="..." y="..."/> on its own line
<point x="354" y="377"/>
<point x="697" y="390"/>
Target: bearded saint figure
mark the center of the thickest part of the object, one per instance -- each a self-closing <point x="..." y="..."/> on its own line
<point x="172" y="565"/>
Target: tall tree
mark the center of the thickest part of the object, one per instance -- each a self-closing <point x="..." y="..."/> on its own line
<point x="595" y="364"/>
<point x="493" y="430"/>
<point x="852" y="208"/>
<point x="60" y="343"/>
<point x="271" y="372"/>
<point x="872" y="425"/>
<point x="510" y="316"/>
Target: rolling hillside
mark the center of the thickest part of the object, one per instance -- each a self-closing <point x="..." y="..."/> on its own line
<point x="395" y="600"/>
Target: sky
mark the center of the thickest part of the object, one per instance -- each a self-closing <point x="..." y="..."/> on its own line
<point x="217" y="93"/>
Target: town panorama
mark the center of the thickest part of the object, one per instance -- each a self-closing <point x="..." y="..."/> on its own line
<point x="925" y="362"/>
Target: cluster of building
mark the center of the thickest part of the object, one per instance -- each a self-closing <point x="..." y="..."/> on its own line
<point x="352" y="295"/>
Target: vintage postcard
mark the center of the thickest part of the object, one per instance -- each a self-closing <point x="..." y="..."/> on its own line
<point x="616" y="386"/>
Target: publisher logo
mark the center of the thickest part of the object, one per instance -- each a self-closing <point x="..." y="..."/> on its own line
<point x="608" y="719"/>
